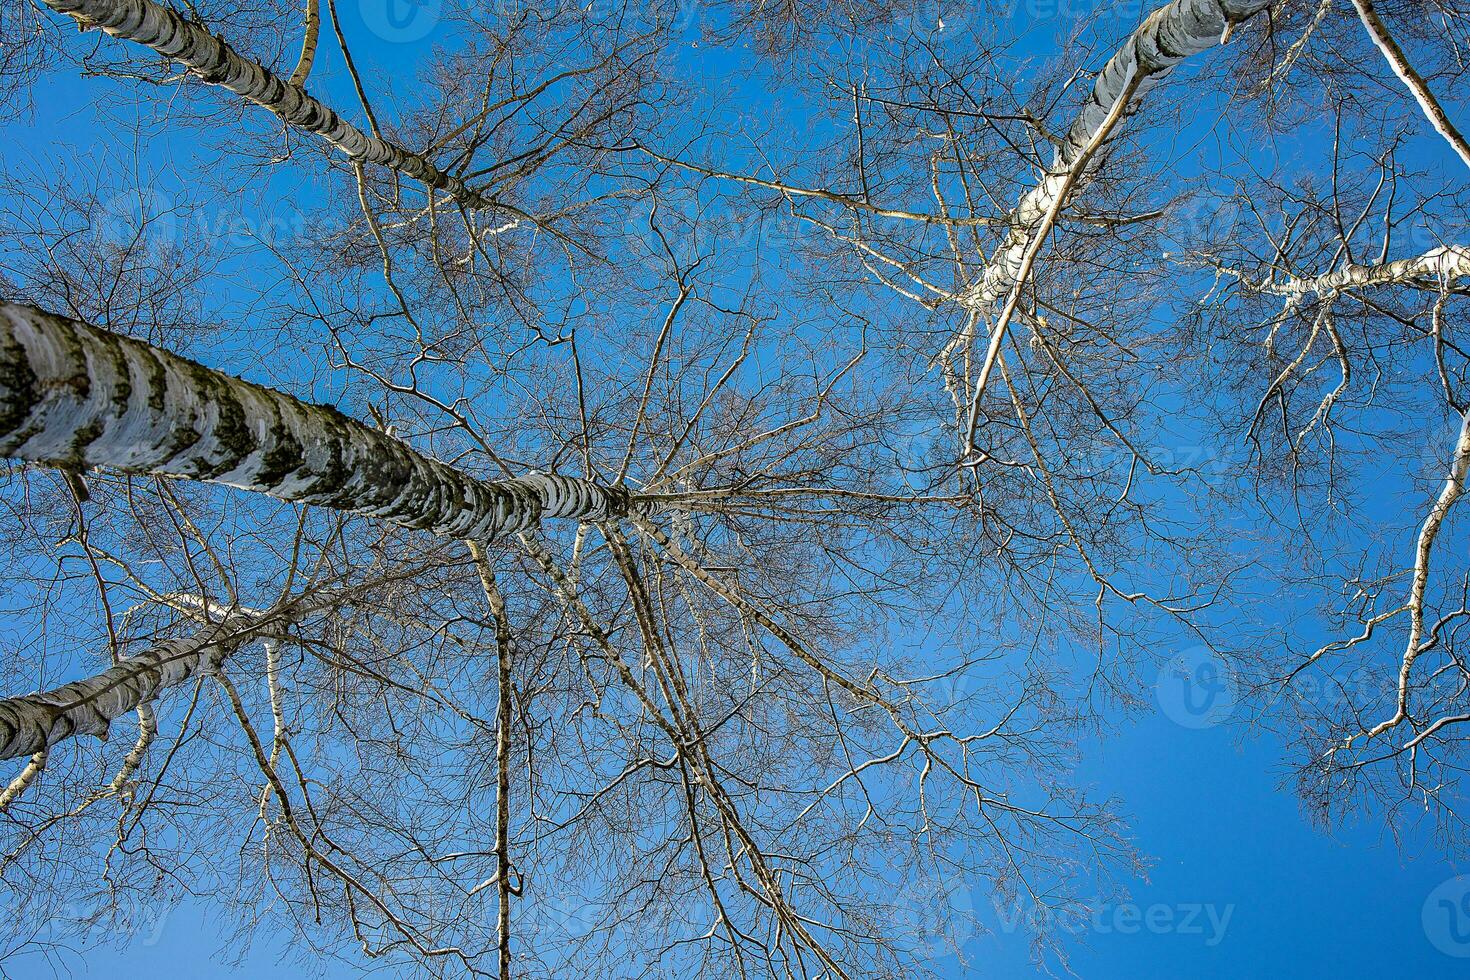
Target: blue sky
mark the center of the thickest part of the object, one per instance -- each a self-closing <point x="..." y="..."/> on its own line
<point x="1230" y="847"/>
<point x="1242" y="883"/>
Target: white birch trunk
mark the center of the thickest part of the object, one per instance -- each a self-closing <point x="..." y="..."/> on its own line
<point x="23" y="781"/>
<point x="34" y="722"/>
<point x="216" y="63"/>
<point x="1167" y="36"/>
<point x="75" y="396"/>
<point x="1438" y="265"/>
<point x="1412" y="80"/>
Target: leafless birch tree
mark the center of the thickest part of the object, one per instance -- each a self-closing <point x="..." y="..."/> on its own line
<point x="524" y="522"/>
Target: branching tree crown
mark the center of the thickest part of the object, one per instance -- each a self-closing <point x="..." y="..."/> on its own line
<point x="620" y="490"/>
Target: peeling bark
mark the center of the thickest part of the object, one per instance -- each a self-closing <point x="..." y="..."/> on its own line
<point x="1166" y="37"/>
<point x="216" y="63"/>
<point x="75" y="396"/>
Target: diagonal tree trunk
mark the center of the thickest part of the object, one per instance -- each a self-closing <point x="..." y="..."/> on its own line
<point x="75" y="396"/>
<point x="33" y="723"/>
<point x="1413" y="81"/>
<point x="1165" y="38"/>
<point x="216" y="63"/>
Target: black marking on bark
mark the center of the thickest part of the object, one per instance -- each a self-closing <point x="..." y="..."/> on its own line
<point x="17" y="385"/>
<point x="84" y="436"/>
<point x="618" y="500"/>
<point x="231" y="431"/>
<point x="122" y="389"/>
<point x="76" y="356"/>
<point x="284" y="455"/>
<point x="157" y="380"/>
<point x="1161" y="43"/>
<point x="193" y="422"/>
<point x="181" y="441"/>
<point x="122" y="382"/>
<point x="335" y="472"/>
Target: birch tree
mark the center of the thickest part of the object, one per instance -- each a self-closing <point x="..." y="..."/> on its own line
<point x="1311" y="264"/>
<point x="541" y="519"/>
<point x="66" y="403"/>
<point x="1356" y="276"/>
<point x="681" y="766"/>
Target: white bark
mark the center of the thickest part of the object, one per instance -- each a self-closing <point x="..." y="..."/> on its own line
<point x="23" y="781"/>
<point x="1412" y="80"/>
<point x="32" y="723"/>
<point x="309" y="37"/>
<point x="1449" y="495"/>
<point x="1033" y="249"/>
<point x="216" y="63"/>
<point x="76" y="396"/>
<point x="1167" y="36"/>
<point x="1438" y="266"/>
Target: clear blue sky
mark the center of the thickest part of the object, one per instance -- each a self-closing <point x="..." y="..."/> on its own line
<point x="1242" y="884"/>
<point x="1225" y="836"/>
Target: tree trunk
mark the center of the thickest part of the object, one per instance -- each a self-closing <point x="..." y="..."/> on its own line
<point x="75" y="396"/>
<point x="1412" y="80"/>
<point x="1168" y="36"/>
<point x="215" y="62"/>
<point x="1438" y="265"/>
<point x="34" y="722"/>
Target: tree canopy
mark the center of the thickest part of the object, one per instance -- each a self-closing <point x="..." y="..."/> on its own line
<point x="641" y="489"/>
